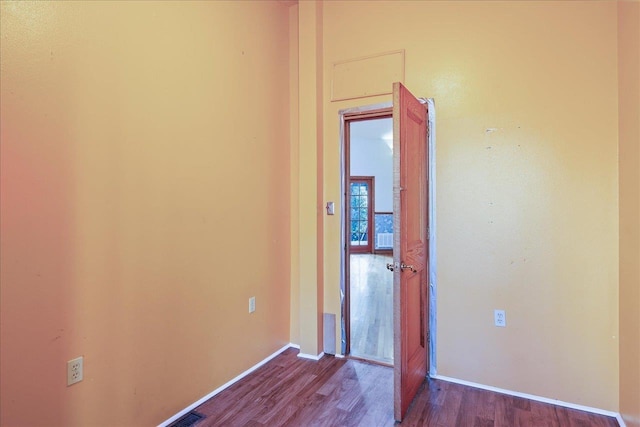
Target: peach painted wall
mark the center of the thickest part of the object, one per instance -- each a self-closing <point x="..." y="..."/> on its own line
<point x="310" y="177"/>
<point x="527" y="188"/>
<point x="629" y="154"/>
<point x="145" y="197"/>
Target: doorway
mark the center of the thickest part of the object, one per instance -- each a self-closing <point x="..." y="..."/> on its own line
<point x="350" y="119"/>
<point x="369" y="226"/>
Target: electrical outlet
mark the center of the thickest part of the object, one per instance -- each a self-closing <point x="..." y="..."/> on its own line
<point x="500" y="318"/>
<point x="252" y="304"/>
<point x="74" y="370"/>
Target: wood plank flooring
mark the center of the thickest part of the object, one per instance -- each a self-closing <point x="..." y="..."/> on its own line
<point x="290" y="391"/>
<point x="371" y="307"/>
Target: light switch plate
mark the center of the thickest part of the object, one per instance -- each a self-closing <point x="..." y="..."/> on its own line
<point x="331" y="209"/>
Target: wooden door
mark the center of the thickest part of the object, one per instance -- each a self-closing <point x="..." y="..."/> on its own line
<point x="410" y="299"/>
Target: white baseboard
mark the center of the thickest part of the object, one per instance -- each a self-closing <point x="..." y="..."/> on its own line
<point x="438" y="377"/>
<point x="534" y="397"/>
<point x="310" y="356"/>
<point x="224" y="386"/>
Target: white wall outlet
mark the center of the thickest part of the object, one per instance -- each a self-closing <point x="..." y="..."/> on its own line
<point x="75" y="370"/>
<point x="252" y="304"/>
<point x="500" y="318"/>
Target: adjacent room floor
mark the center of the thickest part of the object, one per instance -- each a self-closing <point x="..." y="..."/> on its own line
<point x="371" y="307"/>
<point x="290" y="391"/>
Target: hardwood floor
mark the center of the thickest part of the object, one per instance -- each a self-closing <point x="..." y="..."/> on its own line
<point x="371" y="307"/>
<point x="289" y="391"/>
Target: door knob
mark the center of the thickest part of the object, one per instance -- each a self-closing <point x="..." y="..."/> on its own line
<point x="404" y="266"/>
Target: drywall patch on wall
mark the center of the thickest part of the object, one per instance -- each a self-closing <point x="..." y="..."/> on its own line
<point x="367" y="76"/>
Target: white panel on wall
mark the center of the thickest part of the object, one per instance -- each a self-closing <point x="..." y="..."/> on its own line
<point x="382" y="70"/>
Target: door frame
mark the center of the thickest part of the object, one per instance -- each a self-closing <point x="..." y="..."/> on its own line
<point x="347" y="116"/>
<point x="376" y="111"/>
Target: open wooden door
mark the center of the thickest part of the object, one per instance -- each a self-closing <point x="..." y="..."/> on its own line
<point x="410" y="247"/>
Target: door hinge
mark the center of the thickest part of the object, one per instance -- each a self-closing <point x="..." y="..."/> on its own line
<point x="428" y="233"/>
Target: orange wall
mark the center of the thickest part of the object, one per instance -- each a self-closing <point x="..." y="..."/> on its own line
<point x="145" y="198"/>
<point x="527" y="214"/>
<point x="629" y="155"/>
<point x="310" y="166"/>
<point x="122" y="239"/>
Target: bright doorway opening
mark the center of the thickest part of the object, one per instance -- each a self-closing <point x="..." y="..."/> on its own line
<point x="369" y="228"/>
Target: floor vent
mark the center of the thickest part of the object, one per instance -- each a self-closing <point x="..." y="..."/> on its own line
<point x="189" y="420"/>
